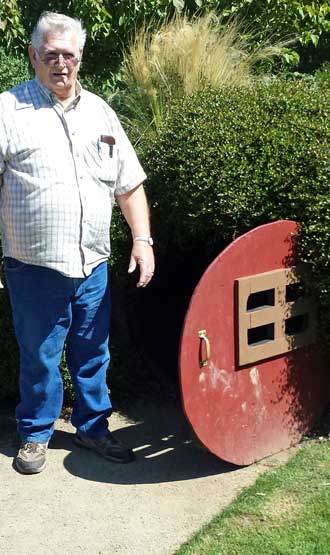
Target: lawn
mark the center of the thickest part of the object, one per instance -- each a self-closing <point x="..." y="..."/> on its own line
<point x="286" y="512"/>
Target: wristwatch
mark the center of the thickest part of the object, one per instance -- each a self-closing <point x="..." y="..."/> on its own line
<point x="144" y="238"/>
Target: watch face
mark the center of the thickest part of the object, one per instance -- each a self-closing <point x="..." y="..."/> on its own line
<point x="145" y="238"/>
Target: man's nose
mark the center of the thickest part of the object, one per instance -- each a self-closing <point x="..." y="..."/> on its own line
<point x="60" y="60"/>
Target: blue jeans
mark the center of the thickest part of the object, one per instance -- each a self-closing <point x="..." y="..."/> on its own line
<point x="49" y="311"/>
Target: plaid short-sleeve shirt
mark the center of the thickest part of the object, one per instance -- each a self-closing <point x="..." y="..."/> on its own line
<point x="59" y="176"/>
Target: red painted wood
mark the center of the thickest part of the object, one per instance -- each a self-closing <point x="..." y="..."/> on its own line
<point x="244" y="414"/>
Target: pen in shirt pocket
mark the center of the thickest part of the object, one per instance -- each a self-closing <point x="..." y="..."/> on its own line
<point x="109" y="140"/>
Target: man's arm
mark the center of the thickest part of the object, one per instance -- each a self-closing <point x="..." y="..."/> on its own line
<point x="134" y="206"/>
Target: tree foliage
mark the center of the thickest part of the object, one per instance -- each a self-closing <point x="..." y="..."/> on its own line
<point x="112" y="23"/>
<point x="12" y="31"/>
<point x="307" y="22"/>
<point x="109" y="24"/>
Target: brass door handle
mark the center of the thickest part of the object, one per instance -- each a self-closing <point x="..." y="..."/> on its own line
<point x="204" y="339"/>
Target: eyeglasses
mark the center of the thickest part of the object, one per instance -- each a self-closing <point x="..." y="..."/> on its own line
<point x="53" y="58"/>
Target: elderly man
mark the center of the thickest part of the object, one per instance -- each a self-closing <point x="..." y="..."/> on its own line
<point x="64" y="158"/>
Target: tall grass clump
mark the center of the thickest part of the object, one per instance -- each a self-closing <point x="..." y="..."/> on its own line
<point x="181" y="57"/>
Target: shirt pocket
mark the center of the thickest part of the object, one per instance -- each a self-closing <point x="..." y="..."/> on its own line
<point x="102" y="161"/>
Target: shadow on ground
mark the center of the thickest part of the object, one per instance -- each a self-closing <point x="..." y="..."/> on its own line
<point x="164" y="445"/>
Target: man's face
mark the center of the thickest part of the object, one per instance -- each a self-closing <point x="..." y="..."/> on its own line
<point x="56" y="64"/>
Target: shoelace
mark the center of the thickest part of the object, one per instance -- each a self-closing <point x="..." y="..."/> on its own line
<point x="33" y="447"/>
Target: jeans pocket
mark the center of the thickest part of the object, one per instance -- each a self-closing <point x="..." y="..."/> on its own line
<point x="12" y="264"/>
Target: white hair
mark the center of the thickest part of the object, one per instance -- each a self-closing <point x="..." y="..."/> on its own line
<point x="50" y="22"/>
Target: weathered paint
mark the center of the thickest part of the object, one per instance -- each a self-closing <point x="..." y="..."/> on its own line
<point x="243" y="414"/>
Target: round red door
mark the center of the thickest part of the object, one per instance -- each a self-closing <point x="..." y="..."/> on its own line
<point x="252" y="380"/>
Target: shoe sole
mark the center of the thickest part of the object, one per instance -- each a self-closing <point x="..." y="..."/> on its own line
<point x="24" y="470"/>
<point x="80" y="443"/>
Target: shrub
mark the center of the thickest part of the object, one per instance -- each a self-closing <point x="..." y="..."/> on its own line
<point x="315" y="249"/>
<point x="183" y="56"/>
<point x="15" y="69"/>
<point x="220" y="164"/>
<point x="9" y="358"/>
<point x="226" y="161"/>
<point x="223" y="163"/>
<point x="110" y="24"/>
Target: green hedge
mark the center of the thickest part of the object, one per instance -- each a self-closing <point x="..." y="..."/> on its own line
<point x="9" y="358"/>
<point x="224" y="163"/>
<point x="14" y="70"/>
<point x="130" y="370"/>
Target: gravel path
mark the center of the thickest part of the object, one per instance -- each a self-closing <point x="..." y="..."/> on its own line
<point x="82" y="504"/>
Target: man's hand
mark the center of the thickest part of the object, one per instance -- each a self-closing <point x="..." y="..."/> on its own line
<point x="134" y="206"/>
<point x="142" y="255"/>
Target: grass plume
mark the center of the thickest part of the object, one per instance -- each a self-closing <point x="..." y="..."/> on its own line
<point x="181" y="57"/>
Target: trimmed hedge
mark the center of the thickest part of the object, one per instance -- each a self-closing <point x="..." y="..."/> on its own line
<point x="222" y="164"/>
<point x="225" y="162"/>
<point x="14" y="70"/>
<point x="9" y="358"/>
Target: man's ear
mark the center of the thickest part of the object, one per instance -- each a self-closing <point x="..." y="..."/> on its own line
<point x="32" y="54"/>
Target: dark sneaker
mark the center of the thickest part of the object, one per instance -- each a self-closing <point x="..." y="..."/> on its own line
<point x="31" y="457"/>
<point x="107" y="446"/>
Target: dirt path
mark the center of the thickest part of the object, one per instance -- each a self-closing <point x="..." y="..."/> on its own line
<point x="82" y="504"/>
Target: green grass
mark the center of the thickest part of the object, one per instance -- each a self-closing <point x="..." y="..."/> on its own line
<point x="286" y="512"/>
